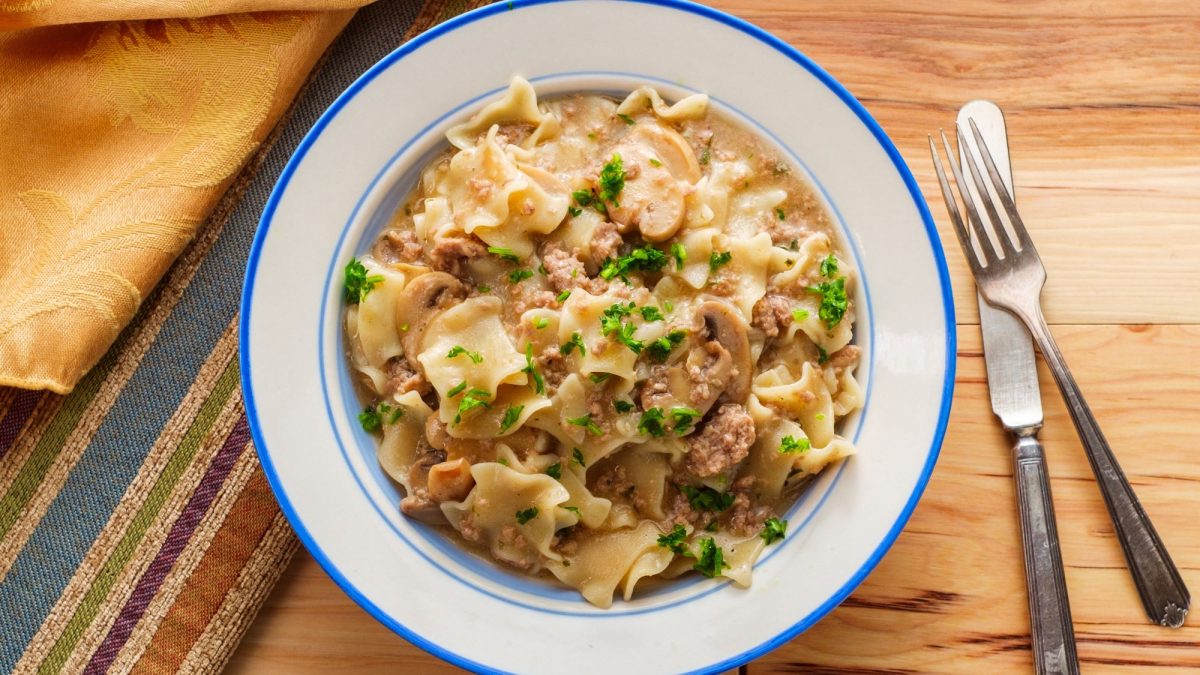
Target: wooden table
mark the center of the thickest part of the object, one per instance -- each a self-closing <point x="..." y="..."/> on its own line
<point x="1103" y="106"/>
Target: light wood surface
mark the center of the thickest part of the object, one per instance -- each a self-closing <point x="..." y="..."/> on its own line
<point x="1103" y="108"/>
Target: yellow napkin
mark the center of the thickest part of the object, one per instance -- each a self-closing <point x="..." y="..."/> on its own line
<point x="121" y="125"/>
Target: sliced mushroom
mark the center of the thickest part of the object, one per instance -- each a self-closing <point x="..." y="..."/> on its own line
<point x="417" y="304"/>
<point x="671" y="150"/>
<point x="719" y="322"/>
<point x="418" y="504"/>
<point x="659" y="164"/>
<point x="696" y="381"/>
<point x="450" y="481"/>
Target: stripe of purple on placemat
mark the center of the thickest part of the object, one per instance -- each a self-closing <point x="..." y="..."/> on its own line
<point x="181" y="532"/>
<point x="18" y="414"/>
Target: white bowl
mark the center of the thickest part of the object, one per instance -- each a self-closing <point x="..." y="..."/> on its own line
<point x="349" y="174"/>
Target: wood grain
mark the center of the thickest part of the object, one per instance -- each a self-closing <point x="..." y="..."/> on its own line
<point x="1103" y="105"/>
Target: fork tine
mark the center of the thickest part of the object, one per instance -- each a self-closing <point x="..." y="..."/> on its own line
<point x="997" y="226"/>
<point x="1001" y="190"/>
<point x="974" y="221"/>
<point x="964" y="239"/>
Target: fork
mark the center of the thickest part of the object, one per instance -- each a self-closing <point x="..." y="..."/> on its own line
<point x="1010" y="275"/>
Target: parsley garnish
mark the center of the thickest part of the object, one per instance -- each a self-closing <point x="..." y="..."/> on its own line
<point x="779" y="212"/>
<point x="358" y="283"/>
<point x="684" y="419"/>
<point x="562" y="297"/>
<point x="554" y="470"/>
<point x="707" y="499"/>
<point x="575" y="510"/>
<point x="661" y="348"/>
<point x="822" y="355"/>
<point x="612" y="180"/>
<point x="651" y="314"/>
<point x="540" y="322"/>
<point x="674" y="540"/>
<point x="610" y="324"/>
<point x="598" y="378"/>
<point x="518" y="275"/>
<point x="706" y="153"/>
<point x="583" y="197"/>
<point x="456" y="389"/>
<point x="622" y="406"/>
<point x="476" y="398"/>
<point x="484" y="288"/>
<point x="586" y="422"/>
<point x="792" y="446"/>
<point x="539" y="384"/>
<point x="655" y="162"/>
<point x="526" y="515"/>
<point x="510" y="417"/>
<point x="456" y="350"/>
<point x="680" y="255"/>
<point x="773" y="530"/>
<point x="643" y="258"/>
<point x="577" y="457"/>
<point x="716" y="260"/>
<point x="626" y="118"/>
<point x="829" y="266"/>
<point x="506" y="254"/>
<point x="651" y="422"/>
<point x="711" y="560"/>
<point x="370" y="419"/>
<point x="799" y="315"/>
<point x="569" y="346"/>
<point x="575" y="211"/>
<point x="833" y="300"/>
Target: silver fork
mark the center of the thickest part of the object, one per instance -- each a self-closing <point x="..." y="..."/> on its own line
<point x="1010" y="275"/>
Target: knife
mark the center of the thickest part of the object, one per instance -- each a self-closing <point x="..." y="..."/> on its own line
<point x="1016" y="400"/>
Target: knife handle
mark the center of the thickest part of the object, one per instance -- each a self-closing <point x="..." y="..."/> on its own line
<point x="1049" y="610"/>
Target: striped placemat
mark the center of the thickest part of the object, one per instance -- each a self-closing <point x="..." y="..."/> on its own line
<point x="137" y="532"/>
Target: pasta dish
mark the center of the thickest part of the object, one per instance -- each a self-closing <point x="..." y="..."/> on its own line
<point x="606" y="340"/>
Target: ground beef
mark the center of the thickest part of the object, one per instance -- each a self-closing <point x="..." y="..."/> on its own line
<point x="723" y="285"/>
<point x="566" y="272"/>
<point x="418" y="505"/>
<point x="469" y="530"/>
<point x="451" y="253"/>
<point x="656" y="392"/>
<point x="682" y="513"/>
<point x="846" y="356"/>
<point x="606" y="242"/>
<point x="613" y="483"/>
<point x="513" y="542"/>
<point x="745" y="517"/>
<point x="564" y="543"/>
<point x="724" y="440"/>
<point x="402" y="378"/>
<point x="526" y="296"/>
<point x="712" y="373"/>
<point x="772" y="314"/>
<point x="552" y="365"/>
<point x="399" y="246"/>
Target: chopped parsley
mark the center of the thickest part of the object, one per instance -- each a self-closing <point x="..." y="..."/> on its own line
<point x="829" y="266"/>
<point x="717" y="260"/>
<point x="518" y="275"/>
<point x="510" y="417"/>
<point x="651" y="313"/>
<point x="506" y="254"/>
<point x="773" y="530"/>
<point x="779" y="212"/>
<point x="562" y="297"/>
<point x="674" y="540"/>
<point x="542" y="270"/>
<point x="706" y="153"/>
<point x="598" y="378"/>
<point x="707" y="499"/>
<point x="575" y="211"/>
<point x="370" y="419"/>
<point x="575" y="510"/>
<point x="799" y="315"/>
<point x="661" y="348"/>
<point x="586" y="422"/>
<point x="640" y="259"/>
<point x="540" y="322"/>
<point x="569" y="346"/>
<point x="554" y="470"/>
<point x="655" y="163"/>
<point x="577" y="457"/>
<point x="711" y="561"/>
<point x="611" y="324"/>
<point x="833" y="300"/>
<point x="484" y="288"/>
<point x="819" y="416"/>
<point x="456" y="389"/>
<point x="622" y="406"/>
<point x="539" y="384"/>
<point x="651" y="423"/>
<point x="680" y="254"/>
<point x="358" y="283"/>
<point x="526" y="515"/>
<point x="458" y="350"/>
<point x="475" y="398"/>
<point x="668" y="305"/>
<point x="822" y="355"/>
<point x="583" y="197"/>
<point x="502" y="461"/>
<point x="684" y="419"/>
<point x="794" y="446"/>
<point x="612" y="180"/>
<point x="626" y="118"/>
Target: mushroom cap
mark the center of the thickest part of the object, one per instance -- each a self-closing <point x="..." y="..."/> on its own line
<point x="416" y="305"/>
<point x="720" y="322"/>
<point x="652" y="199"/>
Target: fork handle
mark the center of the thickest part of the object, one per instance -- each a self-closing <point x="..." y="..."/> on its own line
<point x="1162" y="590"/>
<point x="1049" y="610"/>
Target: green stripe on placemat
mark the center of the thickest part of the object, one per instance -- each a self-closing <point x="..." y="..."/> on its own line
<point x="137" y="532"/>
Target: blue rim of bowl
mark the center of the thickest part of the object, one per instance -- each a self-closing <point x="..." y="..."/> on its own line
<point x="685" y="6"/>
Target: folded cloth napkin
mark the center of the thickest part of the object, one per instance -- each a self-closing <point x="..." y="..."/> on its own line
<point x="121" y="125"/>
<point x="138" y="533"/>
